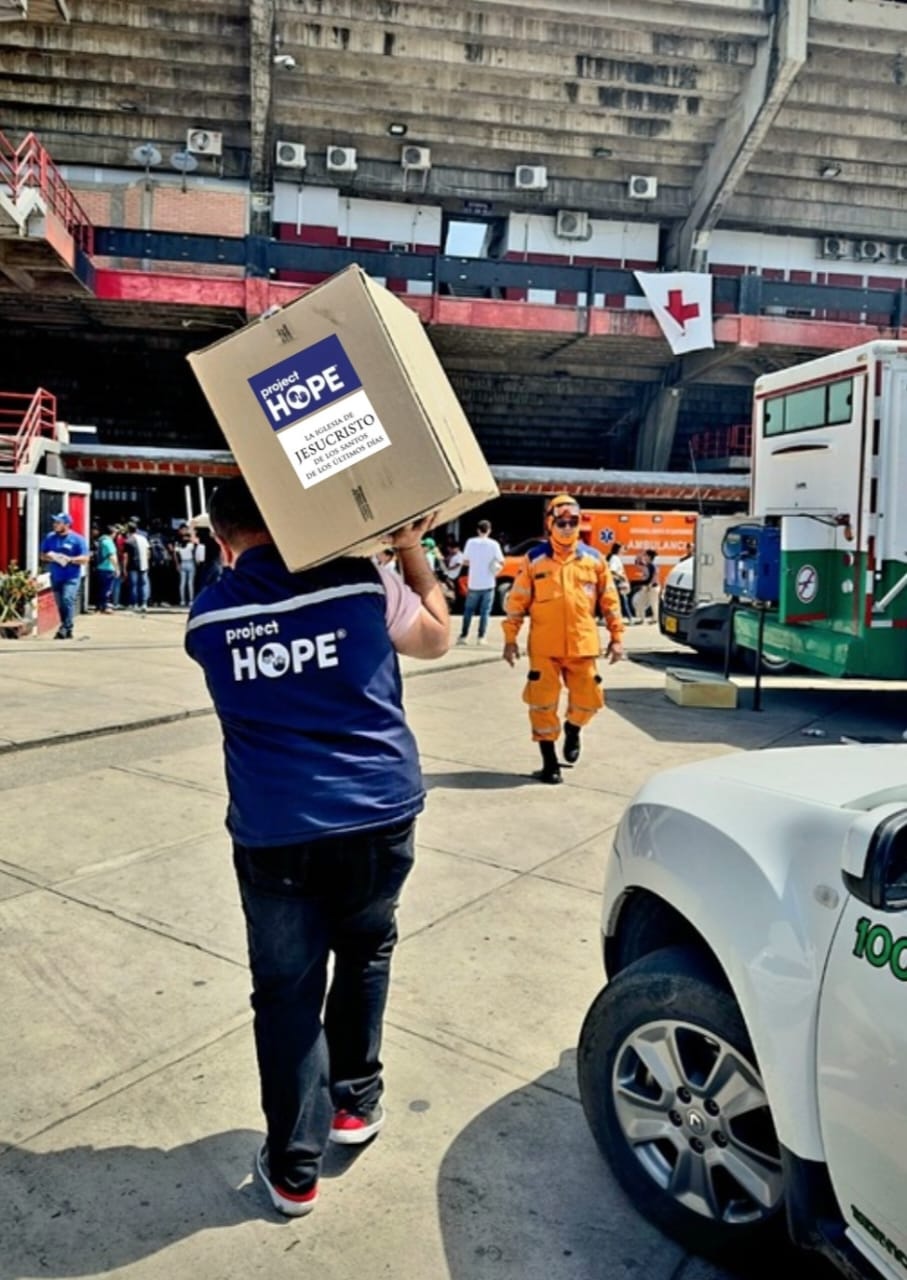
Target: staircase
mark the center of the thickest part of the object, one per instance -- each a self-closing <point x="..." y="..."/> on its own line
<point x="32" y="189"/>
<point x="24" y="421"/>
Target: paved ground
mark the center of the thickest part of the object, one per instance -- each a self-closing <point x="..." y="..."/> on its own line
<point x="129" y="1113"/>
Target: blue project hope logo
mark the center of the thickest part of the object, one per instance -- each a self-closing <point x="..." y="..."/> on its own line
<point x="308" y="380"/>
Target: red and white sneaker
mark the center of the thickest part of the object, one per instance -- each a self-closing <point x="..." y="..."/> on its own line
<point x="349" y="1129"/>
<point x="295" y="1204"/>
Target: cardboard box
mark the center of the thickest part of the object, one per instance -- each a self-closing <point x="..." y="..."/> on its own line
<point x="699" y="689"/>
<point x="342" y="420"/>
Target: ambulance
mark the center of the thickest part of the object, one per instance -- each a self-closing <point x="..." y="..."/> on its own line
<point x="669" y="533"/>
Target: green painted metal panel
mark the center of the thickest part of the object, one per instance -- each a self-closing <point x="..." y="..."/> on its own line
<point x="810" y="584"/>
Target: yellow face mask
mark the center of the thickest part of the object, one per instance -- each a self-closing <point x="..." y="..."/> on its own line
<point x="563" y="522"/>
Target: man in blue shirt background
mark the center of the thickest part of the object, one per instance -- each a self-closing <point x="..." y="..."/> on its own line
<point x="324" y="785"/>
<point x="66" y="552"/>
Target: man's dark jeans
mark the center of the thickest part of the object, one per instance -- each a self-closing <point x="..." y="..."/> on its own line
<point x="301" y="902"/>
<point x="66" y="595"/>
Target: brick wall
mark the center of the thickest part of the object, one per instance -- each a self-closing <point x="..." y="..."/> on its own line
<point x="97" y="205"/>
<point x="197" y="210"/>
<point x="212" y="213"/>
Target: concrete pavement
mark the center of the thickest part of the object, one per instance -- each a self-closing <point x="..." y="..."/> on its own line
<point x="129" y="1114"/>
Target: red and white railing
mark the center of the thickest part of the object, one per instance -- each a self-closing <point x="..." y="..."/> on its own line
<point x="29" y="167"/>
<point x="23" y="418"/>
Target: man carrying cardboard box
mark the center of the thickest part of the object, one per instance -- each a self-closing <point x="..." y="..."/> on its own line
<point x="324" y="785"/>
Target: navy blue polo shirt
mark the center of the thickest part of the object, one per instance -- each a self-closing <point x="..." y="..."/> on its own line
<point x="307" y="686"/>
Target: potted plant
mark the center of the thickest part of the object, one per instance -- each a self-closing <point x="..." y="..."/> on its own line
<point x="17" y="590"/>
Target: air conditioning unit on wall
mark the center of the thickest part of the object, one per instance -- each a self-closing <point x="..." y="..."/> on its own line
<point x="570" y="224"/>
<point x="290" y="155"/>
<point x="869" y="250"/>
<point x="204" y="142"/>
<point x="341" y="159"/>
<point x="834" y="247"/>
<point x="642" y="186"/>
<point x="530" y="177"/>
<point x="418" y="158"/>
<point x="899" y="253"/>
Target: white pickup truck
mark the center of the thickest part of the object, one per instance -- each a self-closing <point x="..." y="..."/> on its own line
<point x="744" y="1071"/>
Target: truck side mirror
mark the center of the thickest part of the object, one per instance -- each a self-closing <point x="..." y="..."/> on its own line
<point x="879" y="878"/>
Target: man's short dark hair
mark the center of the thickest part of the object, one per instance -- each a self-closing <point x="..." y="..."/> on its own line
<point x="484" y="526"/>
<point x="234" y="512"/>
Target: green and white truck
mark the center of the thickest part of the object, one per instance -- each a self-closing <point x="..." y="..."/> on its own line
<point x="824" y="553"/>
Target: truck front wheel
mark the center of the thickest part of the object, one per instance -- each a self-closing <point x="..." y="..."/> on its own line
<point x="673" y="1096"/>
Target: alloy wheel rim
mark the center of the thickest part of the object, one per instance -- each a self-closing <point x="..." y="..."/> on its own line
<point x="694" y="1114"/>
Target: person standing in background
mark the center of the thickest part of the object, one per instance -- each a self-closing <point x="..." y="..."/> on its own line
<point x="621" y="581"/>
<point x="483" y="557"/>
<point x="646" y="595"/>
<point x="185" y="555"/>
<point x="108" y="569"/>
<point x="118" y="533"/>
<point x="94" y="586"/>
<point x="386" y="558"/>
<point x="208" y="561"/>
<point x="66" y="552"/>
<point x="160" y="566"/>
<point x="138" y="560"/>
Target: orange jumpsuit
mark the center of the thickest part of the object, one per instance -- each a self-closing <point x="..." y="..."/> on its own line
<point x="558" y="589"/>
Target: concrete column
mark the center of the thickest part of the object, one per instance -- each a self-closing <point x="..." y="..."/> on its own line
<point x="779" y="59"/>
<point x="262" y="32"/>
<point x="656" y="434"/>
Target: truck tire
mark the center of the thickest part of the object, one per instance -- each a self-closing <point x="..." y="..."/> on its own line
<point x="672" y="1093"/>
<point x="774" y="666"/>
<point x="745" y="659"/>
<point x="770" y="665"/>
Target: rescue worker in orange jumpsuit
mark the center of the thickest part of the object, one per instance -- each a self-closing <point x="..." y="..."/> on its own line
<point x="558" y="586"/>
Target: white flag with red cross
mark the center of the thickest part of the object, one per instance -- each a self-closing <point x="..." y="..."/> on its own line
<point x="682" y="303"/>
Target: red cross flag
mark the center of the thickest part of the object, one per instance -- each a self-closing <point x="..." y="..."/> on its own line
<point x="682" y="303"/>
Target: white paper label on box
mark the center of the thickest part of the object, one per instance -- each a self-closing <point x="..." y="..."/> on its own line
<point x="324" y="420"/>
<point x="332" y="440"/>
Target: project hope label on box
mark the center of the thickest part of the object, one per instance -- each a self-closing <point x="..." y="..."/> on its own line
<point x="323" y="418"/>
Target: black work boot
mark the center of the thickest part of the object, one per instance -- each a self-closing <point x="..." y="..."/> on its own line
<point x="572" y="744"/>
<point x="550" y="770"/>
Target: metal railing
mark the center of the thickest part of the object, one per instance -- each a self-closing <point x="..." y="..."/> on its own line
<point x="723" y="442"/>
<point x="7" y="166"/>
<point x="29" y="166"/>
<point x="23" y="418"/>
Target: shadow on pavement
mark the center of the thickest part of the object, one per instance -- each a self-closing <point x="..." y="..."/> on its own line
<point x="477" y="780"/>
<point x="661" y="659"/>
<point x="87" y="1210"/>
<point x="524" y="1195"/>
<point x="788" y="707"/>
